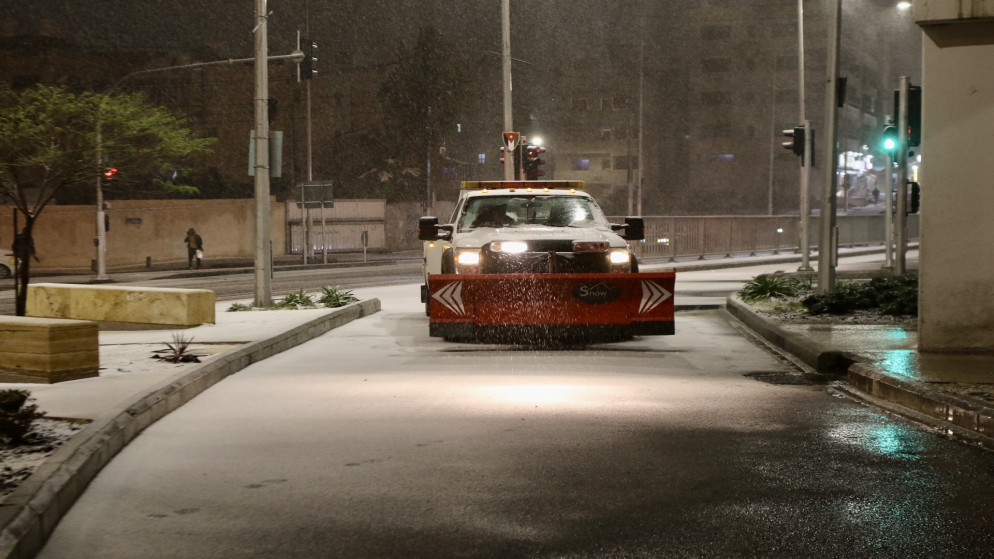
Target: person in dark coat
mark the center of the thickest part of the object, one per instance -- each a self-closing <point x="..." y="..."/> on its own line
<point x="194" y="248"/>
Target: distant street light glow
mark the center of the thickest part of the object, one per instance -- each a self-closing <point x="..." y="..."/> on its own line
<point x="903" y="5"/>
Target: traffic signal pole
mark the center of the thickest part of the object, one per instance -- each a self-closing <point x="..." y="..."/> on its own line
<point x="901" y="225"/>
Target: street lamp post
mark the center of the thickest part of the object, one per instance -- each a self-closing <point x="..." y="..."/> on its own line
<point x="101" y="238"/>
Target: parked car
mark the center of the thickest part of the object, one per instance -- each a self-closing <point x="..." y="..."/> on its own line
<point x="6" y="264"/>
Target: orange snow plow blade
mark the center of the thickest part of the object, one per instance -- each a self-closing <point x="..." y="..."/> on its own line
<point x="593" y="306"/>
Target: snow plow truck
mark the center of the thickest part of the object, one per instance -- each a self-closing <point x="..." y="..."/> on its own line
<point x="533" y="260"/>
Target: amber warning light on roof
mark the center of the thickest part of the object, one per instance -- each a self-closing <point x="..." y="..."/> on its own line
<point x="552" y="185"/>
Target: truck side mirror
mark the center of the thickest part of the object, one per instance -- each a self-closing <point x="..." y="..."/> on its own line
<point x="428" y="229"/>
<point x="634" y="229"/>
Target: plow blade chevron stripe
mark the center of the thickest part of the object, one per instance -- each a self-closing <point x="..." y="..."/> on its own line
<point x="653" y="295"/>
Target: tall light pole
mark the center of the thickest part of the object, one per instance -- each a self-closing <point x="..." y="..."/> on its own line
<point x="101" y="238"/>
<point x="263" y="250"/>
<point x="826" y="239"/>
<point x="805" y="210"/>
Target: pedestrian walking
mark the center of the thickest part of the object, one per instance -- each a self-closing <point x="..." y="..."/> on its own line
<point x="194" y="248"/>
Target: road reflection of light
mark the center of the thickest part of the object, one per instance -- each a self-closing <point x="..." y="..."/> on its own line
<point x="896" y="334"/>
<point x="886" y="440"/>
<point x="533" y="394"/>
<point x="901" y="362"/>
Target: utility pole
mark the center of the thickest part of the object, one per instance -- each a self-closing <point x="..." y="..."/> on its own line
<point x="263" y="248"/>
<point x="505" y="11"/>
<point x="827" y="249"/>
<point x="809" y="137"/>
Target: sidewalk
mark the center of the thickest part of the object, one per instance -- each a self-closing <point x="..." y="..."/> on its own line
<point x="134" y="391"/>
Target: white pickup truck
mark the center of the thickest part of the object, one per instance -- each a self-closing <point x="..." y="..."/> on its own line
<point x="538" y="257"/>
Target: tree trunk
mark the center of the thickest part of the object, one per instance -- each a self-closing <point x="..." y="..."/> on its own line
<point x="23" y="252"/>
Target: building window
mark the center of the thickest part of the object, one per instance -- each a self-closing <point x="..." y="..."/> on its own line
<point x="579" y="104"/>
<point x="581" y="164"/>
<point x="605" y="133"/>
<point x="718" y="157"/>
<point x="481" y="158"/>
<point x="620" y="103"/>
<point x="623" y="161"/>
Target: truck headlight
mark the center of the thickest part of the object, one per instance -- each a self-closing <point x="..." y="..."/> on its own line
<point x="509" y="247"/>
<point x="620" y="256"/>
<point x="621" y="260"/>
<point x="468" y="262"/>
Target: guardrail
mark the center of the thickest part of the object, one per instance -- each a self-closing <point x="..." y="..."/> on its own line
<point x="682" y="237"/>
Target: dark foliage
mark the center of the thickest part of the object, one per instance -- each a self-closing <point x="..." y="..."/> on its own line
<point x="17" y="416"/>
<point x="892" y="296"/>
<point x="765" y="286"/>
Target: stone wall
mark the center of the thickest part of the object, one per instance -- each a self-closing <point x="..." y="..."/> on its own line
<point x="142" y="229"/>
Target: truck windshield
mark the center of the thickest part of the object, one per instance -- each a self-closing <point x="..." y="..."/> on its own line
<point x="514" y="211"/>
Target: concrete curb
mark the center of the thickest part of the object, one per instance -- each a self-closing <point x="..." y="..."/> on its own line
<point x="29" y="515"/>
<point x="972" y="421"/>
<point x="822" y="359"/>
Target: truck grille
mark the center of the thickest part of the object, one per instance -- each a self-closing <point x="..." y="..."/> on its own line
<point x="556" y="258"/>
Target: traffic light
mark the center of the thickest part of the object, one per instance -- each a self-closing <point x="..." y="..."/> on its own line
<point x="915" y="194"/>
<point x="914" y="115"/>
<point x="889" y="141"/>
<point x="308" y="66"/>
<point x="533" y="162"/>
<point x="794" y="140"/>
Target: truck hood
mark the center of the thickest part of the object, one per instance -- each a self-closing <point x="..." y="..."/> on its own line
<point x="480" y="236"/>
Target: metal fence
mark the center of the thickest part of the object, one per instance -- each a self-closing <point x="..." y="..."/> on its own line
<point x="717" y="236"/>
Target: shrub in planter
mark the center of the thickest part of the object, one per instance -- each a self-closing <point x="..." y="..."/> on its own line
<point x="896" y="296"/>
<point x="17" y="416"/>
<point x="766" y="286"/>
<point x="893" y="296"/>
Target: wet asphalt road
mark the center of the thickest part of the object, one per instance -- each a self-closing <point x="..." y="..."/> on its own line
<point x="375" y="441"/>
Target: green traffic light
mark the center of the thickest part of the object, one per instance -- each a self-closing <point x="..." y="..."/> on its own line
<point x="890" y="139"/>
